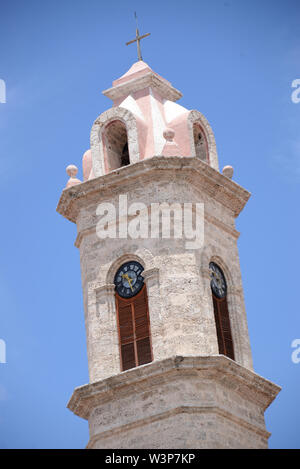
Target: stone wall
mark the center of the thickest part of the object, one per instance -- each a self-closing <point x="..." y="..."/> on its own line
<point x="180" y="303"/>
<point x="181" y="402"/>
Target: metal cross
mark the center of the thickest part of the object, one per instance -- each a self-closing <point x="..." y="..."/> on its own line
<point x="138" y="39"/>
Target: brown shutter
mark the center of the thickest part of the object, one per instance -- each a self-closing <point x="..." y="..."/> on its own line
<point x="142" y="331"/>
<point x="125" y="322"/>
<point x="126" y="334"/>
<point x="144" y="351"/>
<point x="224" y="335"/>
<point x="134" y="330"/>
<point x="128" y="356"/>
<point x="218" y="327"/>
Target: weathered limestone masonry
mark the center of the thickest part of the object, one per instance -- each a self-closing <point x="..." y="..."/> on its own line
<point x="179" y="402"/>
<point x="189" y="396"/>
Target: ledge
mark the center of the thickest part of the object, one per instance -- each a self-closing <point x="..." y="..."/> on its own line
<point x="215" y="368"/>
<point x="148" y="80"/>
<point x="198" y="173"/>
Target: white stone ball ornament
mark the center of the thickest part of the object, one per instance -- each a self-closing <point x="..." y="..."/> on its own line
<point x="72" y="171"/>
<point x="171" y="148"/>
<point x="228" y="171"/>
<point x="169" y="134"/>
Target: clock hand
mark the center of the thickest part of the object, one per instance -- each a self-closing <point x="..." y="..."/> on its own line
<point x="216" y="276"/>
<point x="129" y="280"/>
<point x="126" y="276"/>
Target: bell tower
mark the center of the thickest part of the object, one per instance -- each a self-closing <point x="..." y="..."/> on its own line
<point x="169" y="357"/>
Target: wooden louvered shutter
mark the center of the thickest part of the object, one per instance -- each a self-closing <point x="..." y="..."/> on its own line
<point x="126" y="334"/>
<point x="134" y="330"/>
<point x="142" y="332"/>
<point x="224" y="335"/>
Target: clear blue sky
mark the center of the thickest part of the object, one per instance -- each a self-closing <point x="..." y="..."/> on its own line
<point x="234" y="61"/>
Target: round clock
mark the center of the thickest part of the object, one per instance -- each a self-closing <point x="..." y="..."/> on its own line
<point x="218" y="282"/>
<point x="128" y="279"/>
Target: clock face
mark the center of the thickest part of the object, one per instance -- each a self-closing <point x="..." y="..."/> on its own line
<point x="218" y="282"/>
<point x="128" y="279"/>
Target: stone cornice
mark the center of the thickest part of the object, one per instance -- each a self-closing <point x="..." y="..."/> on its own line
<point x="149" y="80"/>
<point x="195" y="172"/>
<point x="217" y="368"/>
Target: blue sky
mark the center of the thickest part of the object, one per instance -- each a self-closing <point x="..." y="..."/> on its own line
<point x="234" y="61"/>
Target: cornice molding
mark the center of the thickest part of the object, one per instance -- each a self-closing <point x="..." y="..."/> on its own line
<point x="216" y="368"/>
<point x="149" y="80"/>
<point x="196" y="172"/>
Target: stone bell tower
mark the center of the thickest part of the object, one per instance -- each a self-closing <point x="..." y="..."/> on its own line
<point x="169" y="357"/>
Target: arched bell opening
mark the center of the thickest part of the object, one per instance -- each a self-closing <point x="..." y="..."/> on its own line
<point x="115" y="141"/>
<point x="200" y="142"/>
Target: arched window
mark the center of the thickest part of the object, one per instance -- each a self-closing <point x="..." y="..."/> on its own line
<point x="115" y="145"/>
<point x="200" y="142"/>
<point x="219" y="295"/>
<point x="132" y="316"/>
